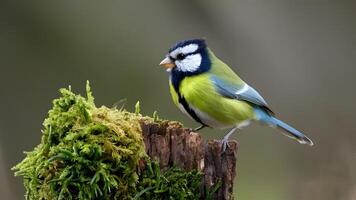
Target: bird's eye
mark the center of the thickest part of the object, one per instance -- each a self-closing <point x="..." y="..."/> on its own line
<point x="180" y="56"/>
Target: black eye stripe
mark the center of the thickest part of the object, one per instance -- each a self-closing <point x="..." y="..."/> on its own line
<point x="188" y="54"/>
<point x="181" y="56"/>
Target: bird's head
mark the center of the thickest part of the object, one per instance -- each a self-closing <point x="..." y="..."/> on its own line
<point x="187" y="56"/>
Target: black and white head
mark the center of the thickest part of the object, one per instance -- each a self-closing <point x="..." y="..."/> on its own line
<point x="188" y="57"/>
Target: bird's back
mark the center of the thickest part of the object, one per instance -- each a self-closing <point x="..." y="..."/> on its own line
<point x="222" y="70"/>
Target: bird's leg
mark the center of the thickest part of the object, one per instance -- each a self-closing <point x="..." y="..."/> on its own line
<point x="199" y="128"/>
<point x="226" y="138"/>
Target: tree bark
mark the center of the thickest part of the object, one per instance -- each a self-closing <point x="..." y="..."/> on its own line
<point x="171" y="144"/>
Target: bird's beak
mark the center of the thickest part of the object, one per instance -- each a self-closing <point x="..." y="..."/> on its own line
<point x="167" y="63"/>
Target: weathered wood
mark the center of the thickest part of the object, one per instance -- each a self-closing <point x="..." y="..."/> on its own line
<point x="170" y="143"/>
<point x="220" y="166"/>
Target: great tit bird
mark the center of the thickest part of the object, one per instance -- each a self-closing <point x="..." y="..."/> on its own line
<point x="208" y="91"/>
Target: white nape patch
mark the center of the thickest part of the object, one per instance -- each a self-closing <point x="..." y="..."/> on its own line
<point x="190" y="63"/>
<point x="242" y="90"/>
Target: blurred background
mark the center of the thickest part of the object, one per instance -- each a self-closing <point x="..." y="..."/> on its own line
<point x="301" y="56"/>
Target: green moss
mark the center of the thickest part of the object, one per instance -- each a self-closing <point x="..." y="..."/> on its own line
<point x="173" y="183"/>
<point x="94" y="153"/>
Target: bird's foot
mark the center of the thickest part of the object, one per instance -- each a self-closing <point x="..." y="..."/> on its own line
<point x="225" y="144"/>
<point x="225" y="140"/>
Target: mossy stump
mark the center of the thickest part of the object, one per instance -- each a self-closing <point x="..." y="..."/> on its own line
<point x="171" y="144"/>
<point x="107" y="153"/>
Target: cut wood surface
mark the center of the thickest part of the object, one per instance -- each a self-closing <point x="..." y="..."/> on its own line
<point x="171" y="144"/>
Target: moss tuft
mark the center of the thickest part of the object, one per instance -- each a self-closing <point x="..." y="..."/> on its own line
<point x="173" y="183"/>
<point x="94" y="153"/>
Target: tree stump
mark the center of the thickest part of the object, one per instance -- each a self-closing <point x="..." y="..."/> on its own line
<point x="171" y="144"/>
<point x="88" y="152"/>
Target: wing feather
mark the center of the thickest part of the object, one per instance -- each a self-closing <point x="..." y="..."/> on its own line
<point x="242" y="92"/>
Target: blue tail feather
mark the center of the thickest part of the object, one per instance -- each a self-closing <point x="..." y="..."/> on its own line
<point x="289" y="131"/>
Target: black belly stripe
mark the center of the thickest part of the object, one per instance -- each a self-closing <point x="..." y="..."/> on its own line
<point x="189" y="110"/>
<point x="176" y="78"/>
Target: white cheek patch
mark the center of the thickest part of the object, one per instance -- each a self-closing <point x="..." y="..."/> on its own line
<point x="190" y="64"/>
<point x="191" y="48"/>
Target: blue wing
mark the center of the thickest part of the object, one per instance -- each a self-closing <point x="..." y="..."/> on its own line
<point x="242" y="92"/>
<point x="246" y="93"/>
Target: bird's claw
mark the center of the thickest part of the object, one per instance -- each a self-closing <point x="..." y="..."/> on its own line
<point x="225" y="140"/>
<point x="225" y="144"/>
